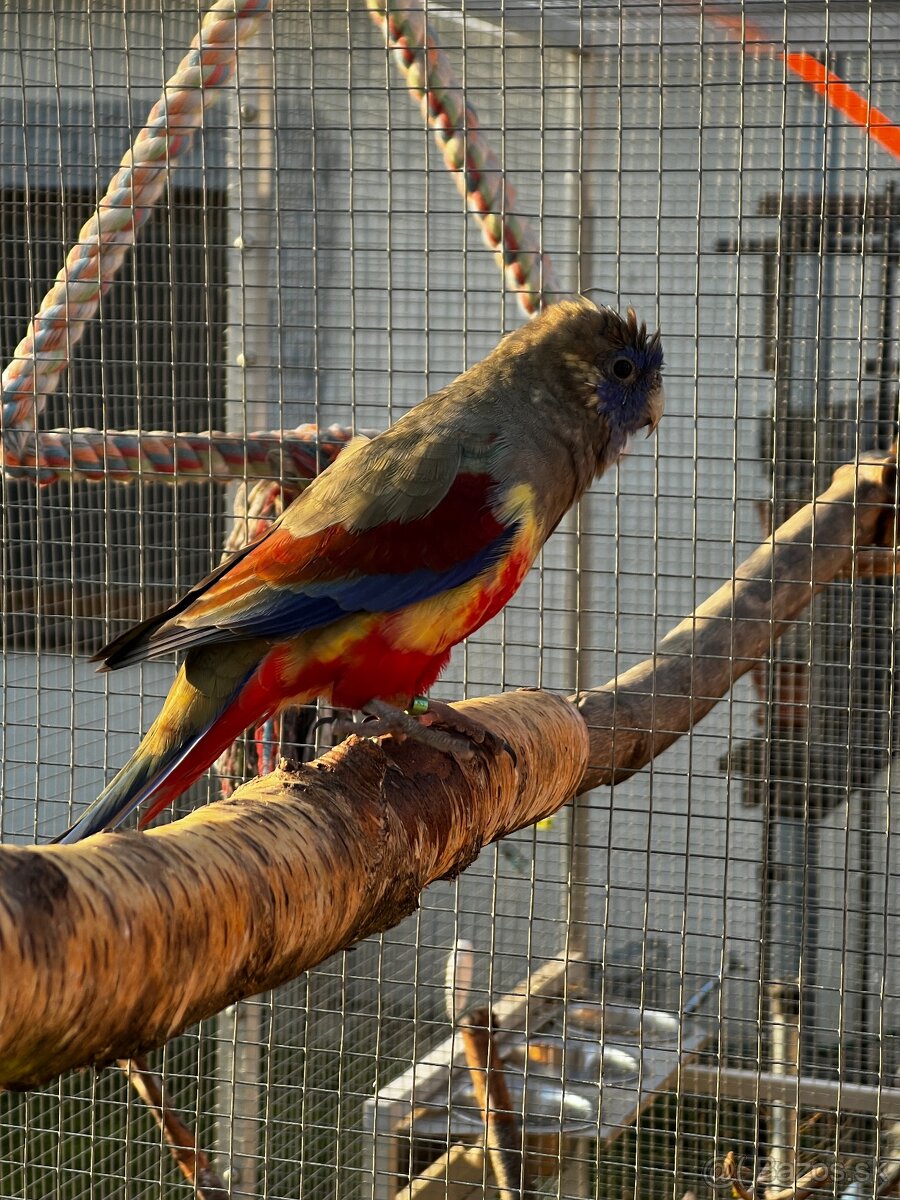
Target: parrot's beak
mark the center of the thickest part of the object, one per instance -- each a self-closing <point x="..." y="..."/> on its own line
<point x="657" y="408"/>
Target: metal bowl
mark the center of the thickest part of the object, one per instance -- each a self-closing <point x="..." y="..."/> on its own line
<point x="650" y="1026"/>
<point x="571" y="1058"/>
<point x="542" y="1104"/>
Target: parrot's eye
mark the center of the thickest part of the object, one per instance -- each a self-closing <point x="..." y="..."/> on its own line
<point x="623" y="368"/>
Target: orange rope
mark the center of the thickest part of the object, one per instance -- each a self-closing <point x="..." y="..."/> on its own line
<point x="838" y="94"/>
<point x="845" y="100"/>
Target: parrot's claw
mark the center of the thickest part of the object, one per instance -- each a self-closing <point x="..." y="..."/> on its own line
<point x="437" y="712"/>
<point x="388" y="719"/>
<point x="419" y="723"/>
<point x="459" y="722"/>
<point x="341" y="724"/>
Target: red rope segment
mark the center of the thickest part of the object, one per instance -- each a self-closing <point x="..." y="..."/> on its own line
<point x="104" y="241"/>
<point x="474" y="166"/>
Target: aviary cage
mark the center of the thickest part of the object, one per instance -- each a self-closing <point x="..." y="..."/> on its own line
<point x="697" y="967"/>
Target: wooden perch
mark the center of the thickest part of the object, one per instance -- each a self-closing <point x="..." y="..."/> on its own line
<point x="193" y="1163"/>
<point x="640" y="713"/>
<point x="113" y="946"/>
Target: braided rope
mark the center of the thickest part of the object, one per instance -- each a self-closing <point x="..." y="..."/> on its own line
<point x="93" y="454"/>
<point x="103" y="243"/>
<point x="474" y="166"/>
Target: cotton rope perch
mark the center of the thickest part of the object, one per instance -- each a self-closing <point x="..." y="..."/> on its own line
<point x="116" y="944"/>
<point x="113" y="945"/>
<point x="475" y="168"/>
<point x="124" y="456"/>
<point x="103" y="243"/>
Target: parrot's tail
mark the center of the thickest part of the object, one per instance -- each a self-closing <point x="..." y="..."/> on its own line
<point x="209" y="705"/>
<point x="143" y="776"/>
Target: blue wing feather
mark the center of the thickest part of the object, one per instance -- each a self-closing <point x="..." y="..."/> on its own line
<point x="288" y="612"/>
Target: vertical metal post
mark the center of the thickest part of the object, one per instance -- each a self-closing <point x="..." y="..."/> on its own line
<point x="239" y="1106"/>
<point x="583" y="543"/>
<point x="791" y="864"/>
<point x="784" y="1014"/>
<point x="881" y="427"/>
<point x="251" y="381"/>
<point x="841" y="672"/>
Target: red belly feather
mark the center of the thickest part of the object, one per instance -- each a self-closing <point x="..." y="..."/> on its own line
<point x="377" y="666"/>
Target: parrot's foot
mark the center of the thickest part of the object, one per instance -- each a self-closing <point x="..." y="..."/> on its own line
<point x="429" y="712"/>
<point x="459" y="722"/>
<point x="419" y="723"/>
<point x="419" y="726"/>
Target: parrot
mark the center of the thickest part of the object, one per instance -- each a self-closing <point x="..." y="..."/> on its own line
<point x="403" y="546"/>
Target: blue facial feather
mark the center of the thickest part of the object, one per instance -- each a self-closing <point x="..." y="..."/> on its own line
<point x="624" y="403"/>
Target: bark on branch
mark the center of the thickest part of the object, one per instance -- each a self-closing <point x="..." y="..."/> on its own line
<point x="111" y="947"/>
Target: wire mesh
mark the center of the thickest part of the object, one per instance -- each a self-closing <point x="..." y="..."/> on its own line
<point x="314" y="262"/>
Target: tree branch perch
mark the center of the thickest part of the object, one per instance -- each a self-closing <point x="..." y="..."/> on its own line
<point x="111" y="947"/>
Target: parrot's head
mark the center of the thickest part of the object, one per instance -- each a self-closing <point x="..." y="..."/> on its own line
<point x="629" y="365"/>
<point x="614" y="370"/>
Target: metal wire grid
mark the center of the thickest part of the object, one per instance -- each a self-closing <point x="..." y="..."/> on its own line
<point x="646" y="148"/>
